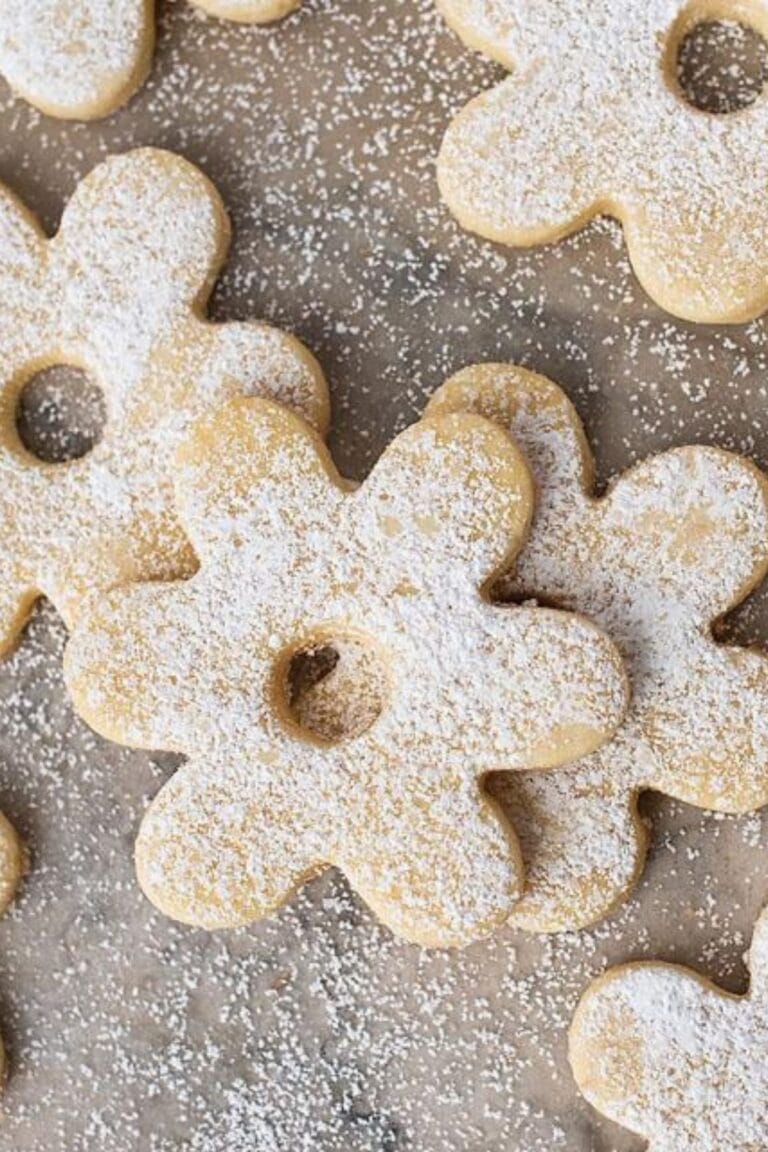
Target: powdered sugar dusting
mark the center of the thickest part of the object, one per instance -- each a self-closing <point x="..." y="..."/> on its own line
<point x="317" y="1030"/>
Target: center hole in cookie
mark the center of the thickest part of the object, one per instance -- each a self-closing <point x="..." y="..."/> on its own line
<point x="722" y="66"/>
<point x="61" y="414"/>
<point x="333" y="688"/>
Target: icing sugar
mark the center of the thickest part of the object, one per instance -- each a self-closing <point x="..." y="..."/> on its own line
<point x="674" y="544"/>
<point x="289" y="556"/>
<point x="121" y="291"/>
<point x="664" y="1052"/>
<point x="592" y="120"/>
<point x="316" y="1029"/>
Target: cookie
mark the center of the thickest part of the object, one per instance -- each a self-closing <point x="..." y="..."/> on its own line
<point x="667" y="1054"/>
<point x="292" y="560"/>
<point x="593" y="120"/>
<point x="121" y="292"/>
<point x="82" y="59"/>
<point x="675" y="543"/>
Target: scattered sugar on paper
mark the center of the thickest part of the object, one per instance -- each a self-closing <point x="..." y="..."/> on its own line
<point x="318" y="1031"/>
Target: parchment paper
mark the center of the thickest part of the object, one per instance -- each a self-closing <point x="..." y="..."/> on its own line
<point x="317" y="1030"/>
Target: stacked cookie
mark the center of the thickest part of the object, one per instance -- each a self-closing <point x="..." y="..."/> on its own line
<point x="344" y="667"/>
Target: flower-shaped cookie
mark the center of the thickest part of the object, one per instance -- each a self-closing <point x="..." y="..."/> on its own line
<point x="120" y="292"/>
<point x="82" y="59"/>
<point x="291" y="559"/>
<point x="674" y="544"/>
<point x="669" y="1055"/>
<point x="592" y="120"/>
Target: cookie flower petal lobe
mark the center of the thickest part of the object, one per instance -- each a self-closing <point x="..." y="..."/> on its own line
<point x="480" y="872"/>
<point x="582" y="839"/>
<point x="703" y="514"/>
<point x="83" y="59"/>
<point x="468" y="504"/>
<point x="257" y="360"/>
<point x="508" y="183"/>
<point x="76" y="60"/>
<point x="223" y="848"/>
<point x="254" y="471"/>
<point x="151" y="223"/>
<point x="130" y="665"/>
<point x="562" y="710"/>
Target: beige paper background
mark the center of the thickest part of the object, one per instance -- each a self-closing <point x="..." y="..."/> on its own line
<point x="317" y="1030"/>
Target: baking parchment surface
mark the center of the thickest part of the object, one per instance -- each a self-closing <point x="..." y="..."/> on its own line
<point x="318" y="1030"/>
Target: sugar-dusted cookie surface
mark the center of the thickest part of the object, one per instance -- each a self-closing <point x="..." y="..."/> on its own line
<point x="592" y="120"/>
<point x="292" y="558"/>
<point x="121" y="291"/>
<point x="673" y="545"/>
<point x="82" y="59"/>
<point x="664" y="1052"/>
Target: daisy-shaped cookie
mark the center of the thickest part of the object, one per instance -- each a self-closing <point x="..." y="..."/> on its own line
<point x="120" y="292"/>
<point x="592" y="120"/>
<point x="674" y="544"/>
<point x="293" y="559"/>
<point x="664" y="1052"/>
<point x="82" y="59"/>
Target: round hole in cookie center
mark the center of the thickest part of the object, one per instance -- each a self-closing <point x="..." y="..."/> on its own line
<point x="333" y="688"/>
<point x="60" y="414"/>
<point x="721" y="65"/>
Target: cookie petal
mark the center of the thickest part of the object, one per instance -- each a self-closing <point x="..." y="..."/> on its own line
<point x="141" y="241"/>
<point x="252" y="471"/>
<point x="503" y="178"/>
<point x="560" y="688"/>
<point x="541" y="420"/>
<point x="245" y="359"/>
<point x="628" y="1046"/>
<point x="707" y="724"/>
<point x="669" y="1055"/>
<point x="77" y="61"/>
<point x="702" y="515"/>
<point x="582" y="840"/>
<point x="453" y="492"/>
<point x="427" y="884"/>
<point x="704" y="261"/>
<point x="130" y="662"/>
<point x="218" y="849"/>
